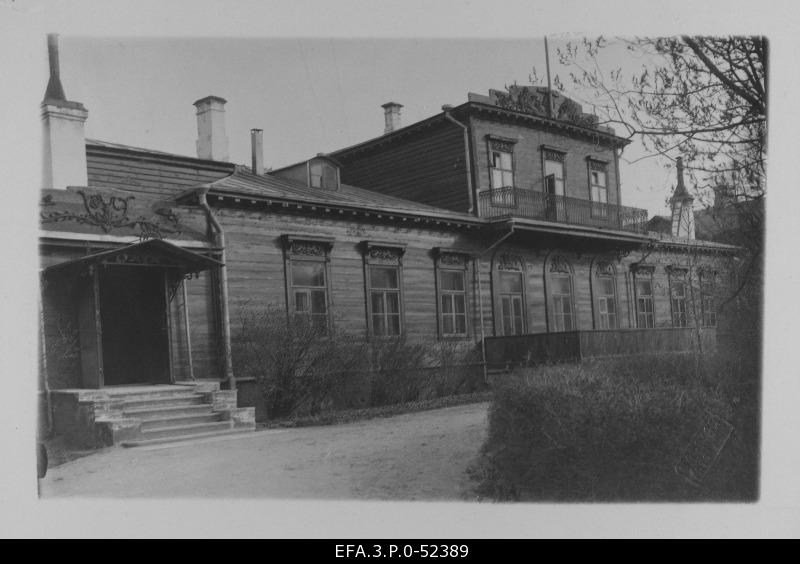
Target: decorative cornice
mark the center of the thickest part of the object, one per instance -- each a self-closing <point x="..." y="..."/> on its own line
<point x="558" y="264"/>
<point x="638" y="267"/>
<point x="510" y="262"/>
<point x="381" y="252"/>
<point x="307" y="245"/>
<point x="605" y="268"/>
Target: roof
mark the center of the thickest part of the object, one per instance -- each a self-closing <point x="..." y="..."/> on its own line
<point x="244" y="183"/>
<point x="150" y="253"/>
<point x="480" y="107"/>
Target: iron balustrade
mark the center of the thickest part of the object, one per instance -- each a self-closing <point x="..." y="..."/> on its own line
<point x="525" y="203"/>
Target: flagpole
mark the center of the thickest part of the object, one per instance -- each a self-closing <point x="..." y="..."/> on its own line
<point x="549" y="86"/>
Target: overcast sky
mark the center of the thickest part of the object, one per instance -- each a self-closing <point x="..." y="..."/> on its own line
<point x="308" y="95"/>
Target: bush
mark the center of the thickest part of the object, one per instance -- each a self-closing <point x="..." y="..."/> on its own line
<point x="303" y="371"/>
<point x="613" y="430"/>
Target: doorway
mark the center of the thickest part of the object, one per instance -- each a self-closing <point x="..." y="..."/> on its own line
<point x="133" y="314"/>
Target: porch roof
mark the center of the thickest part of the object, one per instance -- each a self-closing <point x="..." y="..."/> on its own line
<point x="150" y="253"/>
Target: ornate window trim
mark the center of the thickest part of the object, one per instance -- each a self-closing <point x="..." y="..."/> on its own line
<point x="643" y="271"/>
<point x="558" y="267"/>
<point x="550" y="153"/>
<point x="452" y="260"/>
<point x="300" y="248"/>
<point x="510" y="262"/>
<point x="604" y="269"/>
<point x="643" y="268"/>
<point x="383" y="254"/>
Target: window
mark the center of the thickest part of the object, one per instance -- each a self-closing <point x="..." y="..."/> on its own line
<point x="709" y="304"/>
<point x="643" y="288"/>
<point x="677" y="290"/>
<point x="598" y="188"/>
<point x="501" y="163"/>
<point x="554" y="172"/>
<point x="384" y="275"/>
<point x="511" y="302"/>
<point x="605" y="291"/>
<point x="307" y="278"/>
<point x="384" y="299"/>
<point x="560" y="283"/>
<point x="309" y="291"/>
<point x="323" y="174"/>
<point x="452" y="278"/>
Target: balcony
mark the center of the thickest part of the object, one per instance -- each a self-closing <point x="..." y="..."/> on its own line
<point x="519" y="202"/>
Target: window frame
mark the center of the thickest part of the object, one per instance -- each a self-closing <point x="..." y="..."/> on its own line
<point x="558" y="267"/>
<point x="554" y="154"/>
<point x="323" y="161"/>
<point x="378" y="254"/>
<point x="509" y="263"/>
<point x="708" y="292"/>
<point x="598" y="208"/>
<point x="644" y="273"/>
<point x="502" y="196"/>
<point x="452" y="261"/>
<point x="605" y="271"/>
<point x="678" y="276"/>
<point x="311" y="249"/>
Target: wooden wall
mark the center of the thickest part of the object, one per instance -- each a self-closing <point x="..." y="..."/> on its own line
<point x="528" y="172"/>
<point x="427" y="167"/>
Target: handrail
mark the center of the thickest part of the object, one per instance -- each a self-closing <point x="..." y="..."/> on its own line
<point x="519" y="202"/>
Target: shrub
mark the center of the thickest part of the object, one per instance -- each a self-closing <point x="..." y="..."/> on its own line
<point x="613" y="430"/>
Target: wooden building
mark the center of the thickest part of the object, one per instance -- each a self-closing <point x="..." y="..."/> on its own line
<point x="496" y="224"/>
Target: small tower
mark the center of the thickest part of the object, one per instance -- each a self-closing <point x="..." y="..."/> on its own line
<point x="682" y="208"/>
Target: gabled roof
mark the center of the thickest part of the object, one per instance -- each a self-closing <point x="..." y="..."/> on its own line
<point x="244" y="184"/>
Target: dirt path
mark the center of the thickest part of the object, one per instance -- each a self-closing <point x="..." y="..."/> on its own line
<point x="415" y="456"/>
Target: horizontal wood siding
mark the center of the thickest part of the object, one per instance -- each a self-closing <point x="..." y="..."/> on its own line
<point x="149" y="175"/>
<point x="528" y="173"/>
<point x="427" y="167"/>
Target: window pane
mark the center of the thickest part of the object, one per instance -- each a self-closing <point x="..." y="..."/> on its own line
<point x="308" y="273"/>
<point x="378" y="327"/>
<point x="383" y="277"/>
<point x="392" y="302"/>
<point x="452" y="280"/>
<point x="508" y="178"/>
<point x="301" y="302"/>
<point x="460" y="302"/>
<point x="447" y="304"/>
<point x="394" y="324"/>
<point x="644" y="288"/>
<point x="506" y="306"/>
<point x="561" y="285"/>
<point x="606" y="286"/>
<point x="497" y="178"/>
<point x="555" y="168"/>
<point x="510" y="282"/>
<point x="461" y="324"/>
<point x="377" y="302"/>
<point x="447" y="325"/>
<point x="318" y="304"/>
<point x="328" y="176"/>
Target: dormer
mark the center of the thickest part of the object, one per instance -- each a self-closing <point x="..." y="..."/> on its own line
<point x="321" y="173"/>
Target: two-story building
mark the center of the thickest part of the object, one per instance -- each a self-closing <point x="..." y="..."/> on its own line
<point x="496" y="224"/>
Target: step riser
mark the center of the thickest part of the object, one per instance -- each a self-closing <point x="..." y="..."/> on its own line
<point x="167" y="402"/>
<point x="161" y="413"/>
<point x="181" y="432"/>
<point x="149" y="442"/>
<point x="178" y="422"/>
<point x="152" y="394"/>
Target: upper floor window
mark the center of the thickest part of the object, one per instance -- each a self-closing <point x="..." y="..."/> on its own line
<point x="606" y="296"/>
<point x="323" y="174"/>
<point x="384" y="289"/>
<point x="598" y="187"/>
<point x="678" y="295"/>
<point x="307" y="279"/>
<point x="643" y="291"/>
<point x="554" y="171"/>
<point x="452" y="284"/>
<point x="501" y="163"/>
<point x="560" y="281"/>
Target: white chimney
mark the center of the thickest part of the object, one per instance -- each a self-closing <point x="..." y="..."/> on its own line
<point x="257" y="149"/>
<point x="212" y="140"/>
<point x="63" y="136"/>
<point x="682" y="207"/>
<point x="391" y="116"/>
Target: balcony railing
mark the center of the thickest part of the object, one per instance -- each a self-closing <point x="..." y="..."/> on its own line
<point x="520" y="202"/>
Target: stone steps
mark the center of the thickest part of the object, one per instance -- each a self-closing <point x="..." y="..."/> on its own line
<point x="177" y="399"/>
<point x="179" y="421"/>
<point x="185" y="438"/>
<point x="148" y="413"/>
<point x="178" y="432"/>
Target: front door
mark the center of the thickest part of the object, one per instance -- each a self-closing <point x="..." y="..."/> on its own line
<point x="133" y="313"/>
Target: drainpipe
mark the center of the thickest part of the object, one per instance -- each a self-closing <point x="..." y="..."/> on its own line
<point x="476" y="268"/>
<point x="446" y="109"/>
<point x="45" y="379"/>
<point x="219" y="241"/>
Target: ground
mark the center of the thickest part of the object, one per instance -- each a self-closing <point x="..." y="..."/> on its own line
<point x="415" y="456"/>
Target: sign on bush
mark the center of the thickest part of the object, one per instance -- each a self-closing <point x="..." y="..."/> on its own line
<point x="704" y="449"/>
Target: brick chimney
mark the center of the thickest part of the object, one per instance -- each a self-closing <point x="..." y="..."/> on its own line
<point x="63" y="135"/>
<point x="212" y="139"/>
<point x="391" y="116"/>
<point x="257" y="150"/>
<point x="682" y="207"/>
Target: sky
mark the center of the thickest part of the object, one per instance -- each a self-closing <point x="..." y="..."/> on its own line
<point x="309" y="95"/>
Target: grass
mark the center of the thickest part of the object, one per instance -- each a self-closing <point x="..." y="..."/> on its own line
<point x="613" y="430"/>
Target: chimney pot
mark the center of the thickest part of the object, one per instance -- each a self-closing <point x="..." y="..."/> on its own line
<point x="212" y="139"/>
<point x="391" y="116"/>
<point x="257" y="147"/>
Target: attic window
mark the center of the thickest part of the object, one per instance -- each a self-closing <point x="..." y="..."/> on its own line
<point x="323" y="174"/>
